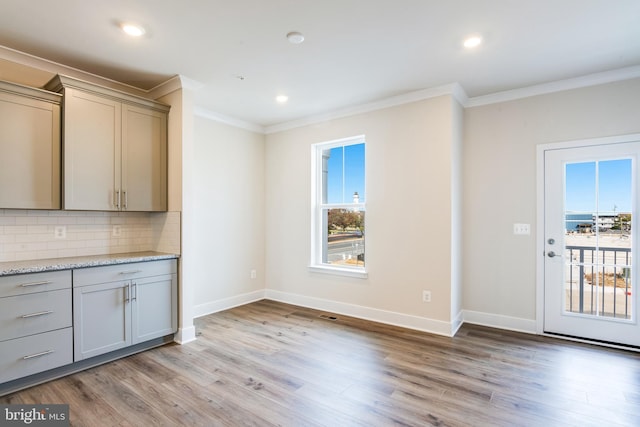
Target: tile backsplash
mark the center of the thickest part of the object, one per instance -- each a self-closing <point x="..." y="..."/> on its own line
<point x="37" y="234"/>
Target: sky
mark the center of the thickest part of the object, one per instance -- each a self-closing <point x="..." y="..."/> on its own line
<point x="613" y="189"/>
<point x="346" y="174"/>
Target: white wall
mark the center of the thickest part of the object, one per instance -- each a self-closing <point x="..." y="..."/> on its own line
<point x="408" y="219"/>
<point x="228" y="194"/>
<point x="500" y="188"/>
<point x="456" y="214"/>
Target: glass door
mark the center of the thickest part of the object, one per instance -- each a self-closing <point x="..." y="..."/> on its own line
<point x="590" y="235"/>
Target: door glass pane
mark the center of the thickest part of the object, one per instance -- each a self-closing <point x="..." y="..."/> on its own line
<point x="598" y="197"/>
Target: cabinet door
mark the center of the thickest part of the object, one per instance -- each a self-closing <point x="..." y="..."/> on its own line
<point x="92" y="143"/>
<point x="101" y="319"/>
<point x="154" y="307"/>
<point x="144" y="159"/>
<point x="29" y="153"/>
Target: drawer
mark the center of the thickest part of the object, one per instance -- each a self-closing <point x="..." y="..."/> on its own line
<point x="22" y="284"/>
<point x="120" y="272"/>
<point x="36" y="353"/>
<point x="34" y="313"/>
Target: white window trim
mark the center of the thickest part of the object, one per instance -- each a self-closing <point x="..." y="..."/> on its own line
<point x="317" y="206"/>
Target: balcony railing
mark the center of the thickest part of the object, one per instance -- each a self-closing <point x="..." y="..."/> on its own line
<point x="599" y="281"/>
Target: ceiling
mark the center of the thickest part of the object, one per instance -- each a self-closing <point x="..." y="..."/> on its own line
<point x="355" y="51"/>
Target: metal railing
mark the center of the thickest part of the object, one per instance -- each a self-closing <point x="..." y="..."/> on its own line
<point x="599" y="281"/>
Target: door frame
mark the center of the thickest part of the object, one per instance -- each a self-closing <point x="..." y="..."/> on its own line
<point x="540" y="224"/>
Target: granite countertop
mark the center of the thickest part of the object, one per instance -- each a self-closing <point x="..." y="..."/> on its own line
<point x="55" y="264"/>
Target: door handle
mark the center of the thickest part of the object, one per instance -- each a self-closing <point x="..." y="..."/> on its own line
<point x="552" y="254"/>
<point x="26" y="285"/>
<point x="31" y="356"/>
<point x="130" y="272"/>
<point x="41" y="313"/>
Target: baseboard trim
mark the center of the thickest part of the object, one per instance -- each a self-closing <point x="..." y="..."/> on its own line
<point x="457" y="323"/>
<point x="227" y="303"/>
<point x="185" y="335"/>
<point x="423" y="324"/>
<point x="499" y="321"/>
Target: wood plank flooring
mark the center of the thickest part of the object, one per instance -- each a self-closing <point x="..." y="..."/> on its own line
<point x="273" y="364"/>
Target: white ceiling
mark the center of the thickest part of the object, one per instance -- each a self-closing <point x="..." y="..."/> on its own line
<point x="355" y="52"/>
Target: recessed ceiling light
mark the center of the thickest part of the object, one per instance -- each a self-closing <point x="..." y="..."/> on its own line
<point x="472" y="41"/>
<point x="295" y="37"/>
<point x="133" y="30"/>
<point x="281" y="99"/>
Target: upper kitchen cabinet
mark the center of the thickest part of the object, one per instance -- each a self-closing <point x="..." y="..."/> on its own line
<point x="29" y="148"/>
<point x="115" y="149"/>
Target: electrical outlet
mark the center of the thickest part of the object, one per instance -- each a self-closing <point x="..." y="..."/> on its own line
<point x="253" y="274"/>
<point x="426" y="296"/>
<point x="523" y="229"/>
<point x="60" y="232"/>
<point x="117" y="231"/>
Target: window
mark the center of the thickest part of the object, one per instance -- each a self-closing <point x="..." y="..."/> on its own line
<point x="338" y="222"/>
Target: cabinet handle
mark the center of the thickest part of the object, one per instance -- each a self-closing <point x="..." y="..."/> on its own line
<point x="44" y="353"/>
<point x="118" y="199"/>
<point x="126" y="294"/>
<point x="41" y="313"/>
<point x="126" y="201"/>
<point x="134" y="294"/>
<point x="131" y="272"/>
<point x="44" y="282"/>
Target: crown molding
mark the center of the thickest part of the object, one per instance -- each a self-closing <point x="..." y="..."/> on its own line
<point x="453" y="89"/>
<point x="57" y="68"/>
<point x="190" y="84"/>
<point x="165" y="88"/>
<point x="557" y="86"/>
<point x="227" y="120"/>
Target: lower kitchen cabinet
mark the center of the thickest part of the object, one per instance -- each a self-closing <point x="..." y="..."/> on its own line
<point x="56" y="323"/>
<point x="35" y="353"/>
<point x="102" y="320"/>
<point x="154" y="309"/>
<point x="35" y="323"/>
<point x="118" y="306"/>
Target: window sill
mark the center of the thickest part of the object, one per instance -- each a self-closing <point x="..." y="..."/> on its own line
<point x="358" y="273"/>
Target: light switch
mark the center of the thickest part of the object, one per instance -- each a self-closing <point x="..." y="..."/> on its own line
<point x="523" y="229"/>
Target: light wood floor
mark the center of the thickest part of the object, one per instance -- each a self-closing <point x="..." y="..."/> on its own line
<point x="268" y="363"/>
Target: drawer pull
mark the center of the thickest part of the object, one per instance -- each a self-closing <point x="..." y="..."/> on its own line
<point x="41" y="313"/>
<point x="44" y="353"/>
<point x="131" y="272"/>
<point x="26" y="285"/>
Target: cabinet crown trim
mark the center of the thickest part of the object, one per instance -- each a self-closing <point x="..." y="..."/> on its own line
<point x="39" y="94"/>
<point x="60" y="81"/>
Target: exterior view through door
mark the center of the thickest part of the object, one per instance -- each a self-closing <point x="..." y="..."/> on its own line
<point x="590" y="238"/>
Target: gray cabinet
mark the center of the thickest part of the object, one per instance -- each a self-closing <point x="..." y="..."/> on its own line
<point x="29" y="148"/>
<point x="102" y="320"/>
<point x="115" y="149"/>
<point x="154" y="309"/>
<point x="117" y="306"/>
<point x="35" y="323"/>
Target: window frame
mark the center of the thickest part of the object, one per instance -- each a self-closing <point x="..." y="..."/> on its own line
<point x="318" y="224"/>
